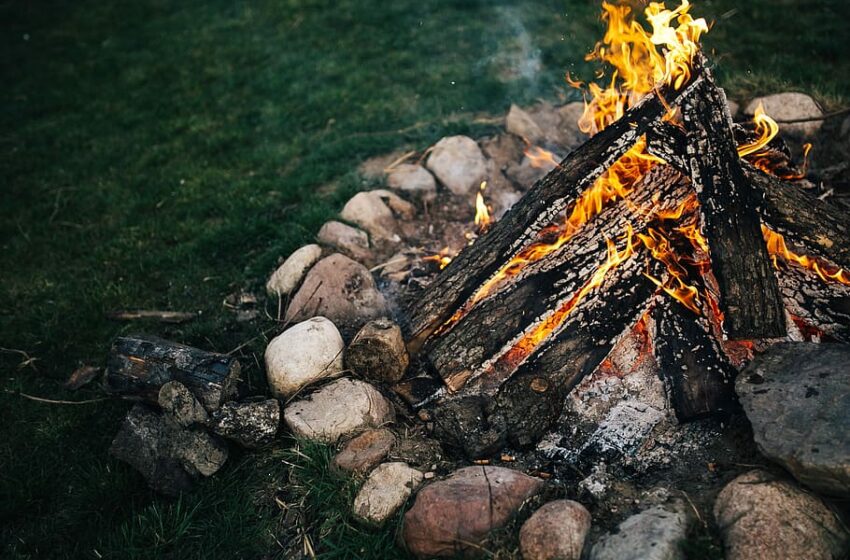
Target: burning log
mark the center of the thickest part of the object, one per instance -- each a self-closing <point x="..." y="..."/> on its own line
<point x="749" y="294"/>
<point x="541" y="207"/>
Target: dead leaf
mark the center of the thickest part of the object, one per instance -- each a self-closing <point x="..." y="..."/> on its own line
<point x="82" y="376"/>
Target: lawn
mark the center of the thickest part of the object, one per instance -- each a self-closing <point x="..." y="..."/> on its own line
<point x="164" y="155"/>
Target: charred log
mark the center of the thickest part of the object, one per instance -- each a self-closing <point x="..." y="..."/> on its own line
<point x="697" y="376"/>
<point x="821" y="305"/>
<point x="749" y="293"/>
<point x="542" y="206"/>
<point x="138" y="367"/>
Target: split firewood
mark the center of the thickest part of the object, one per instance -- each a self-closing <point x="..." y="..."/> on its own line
<point x="180" y="404"/>
<point x="378" y="352"/>
<point x="138" y="367"/>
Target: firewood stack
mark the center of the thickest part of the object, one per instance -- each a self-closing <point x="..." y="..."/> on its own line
<point x="520" y="317"/>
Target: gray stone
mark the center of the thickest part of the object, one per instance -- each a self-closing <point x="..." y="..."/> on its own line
<point x="341" y="290"/>
<point x="571" y="135"/>
<point x="370" y="211"/>
<point x="288" y="275"/>
<point x="303" y="354"/>
<point x="180" y="403"/>
<point x="338" y="409"/>
<point x="556" y="531"/>
<point x="797" y="397"/>
<point x="762" y="517"/>
<point x="385" y="491"/>
<point x="520" y="123"/>
<point x="414" y="180"/>
<point x="790" y="106"/>
<point x="653" y="534"/>
<point x="458" y="163"/>
<point x="251" y="424"/>
<point x="348" y="240"/>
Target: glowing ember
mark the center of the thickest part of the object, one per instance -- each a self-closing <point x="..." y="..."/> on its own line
<point x="777" y="249"/>
<point x="482" y="213"/>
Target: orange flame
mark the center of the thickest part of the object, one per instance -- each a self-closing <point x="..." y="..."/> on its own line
<point x="638" y="63"/>
<point x="539" y="157"/>
<point x="617" y="182"/>
<point x="443" y="258"/>
<point x="482" y="213"/>
<point x="766" y="128"/>
<point x="675" y="285"/>
<point x="531" y="339"/>
<point x="777" y="249"/>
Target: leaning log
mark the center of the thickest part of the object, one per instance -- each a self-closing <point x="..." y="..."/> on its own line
<point x="542" y="206"/>
<point x="824" y="307"/>
<point x="529" y="401"/>
<point x="749" y="293"/>
<point x="698" y="378"/>
<point x="488" y="326"/>
<point x="138" y="366"/>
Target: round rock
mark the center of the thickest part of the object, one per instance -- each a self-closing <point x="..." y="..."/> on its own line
<point x="364" y="451"/>
<point x="341" y="290"/>
<point x="385" y="491"/>
<point x="790" y="106"/>
<point x="303" y="354"/>
<point x="341" y="408"/>
<point x="455" y="515"/>
<point x="346" y="239"/>
<point x="459" y="164"/>
<point x="414" y="180"/>
<point x="762" y="517"/>
<point x="556" y="531"/>
<point x="797" y="396"/>
<point x="288" y="275"/>
<point x="653" y="534"/>
<point x="520" y="123"/>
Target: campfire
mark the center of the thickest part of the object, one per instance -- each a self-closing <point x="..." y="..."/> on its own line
<point x="671" y="225"/>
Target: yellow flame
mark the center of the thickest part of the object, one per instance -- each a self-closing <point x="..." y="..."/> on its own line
<point x="539" y="157"/>
<point x="443" y="258"/>
<point x="639" y="65"/>
<point x="777" y="249"/>
<point x="766" y="128"/>
<point x="675" y="285"/>
<point x="482" y="213"/>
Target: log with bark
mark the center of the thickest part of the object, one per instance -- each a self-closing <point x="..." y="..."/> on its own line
<point x="138" y="366"/>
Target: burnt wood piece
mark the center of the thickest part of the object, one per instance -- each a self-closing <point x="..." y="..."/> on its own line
<point x="138" y="366"/>
<point x="697" y="376"/>
<point x="824" y="306"/>
<point x="531" y="400"/>
<point x="494" y="321"/>
<point x="815" y="226"/>
<point x="819" y="228"/>
<point x="749" y="293"/>
<point x="542" y="206"/>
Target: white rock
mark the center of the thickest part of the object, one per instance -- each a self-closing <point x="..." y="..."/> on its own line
<point x="338" y="409"/>
<point x="790" y="106"/>
<point x="762" y="517"/>
<point x="376" y="211"/>
<point x="288" y="275"/>
<point x="414" y="180"/>
<point x="348" y="240"/>
<point x="458" y="163"/>
<point x="520" y="123"/>
<point x="653" y="534"/>
<point x="385" y="491"/>
<point x="303" y="354"/>
<point x="556" y="531"/>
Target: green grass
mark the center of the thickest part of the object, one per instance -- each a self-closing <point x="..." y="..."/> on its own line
<point x="162" y="154"/>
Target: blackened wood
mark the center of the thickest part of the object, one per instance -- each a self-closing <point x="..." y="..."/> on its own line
<point x="825" y="306"/>
<point x="697" y="376"/>
<point x="817" y="227"/>
<point x="542" y="206"/>
<point x="138" y="366"/>
<point x="749" y="293"/>
<point x="528" y="402"/>
<point x="494" y="321"/>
